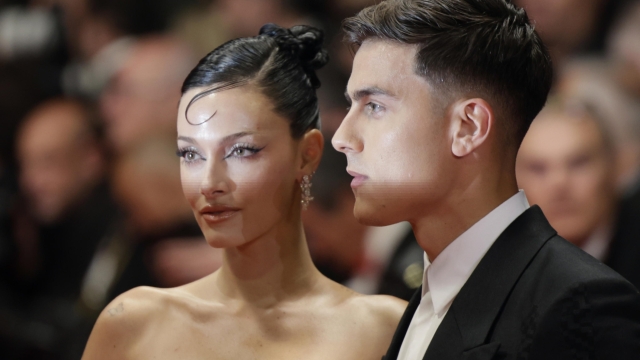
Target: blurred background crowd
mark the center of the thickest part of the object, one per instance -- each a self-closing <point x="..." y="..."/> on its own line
<point x="90" y="197"/>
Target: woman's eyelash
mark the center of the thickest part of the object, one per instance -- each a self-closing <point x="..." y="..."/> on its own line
<point x="239" y="150"/>
<point x="188" y="154"/>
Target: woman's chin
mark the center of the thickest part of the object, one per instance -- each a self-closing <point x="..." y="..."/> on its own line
<point x="224" y="241"/>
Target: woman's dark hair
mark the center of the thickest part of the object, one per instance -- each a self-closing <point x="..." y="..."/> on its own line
<point x="469" y="47"/>
<point x="280" y="62"/>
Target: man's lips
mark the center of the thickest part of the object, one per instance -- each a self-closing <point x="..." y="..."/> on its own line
<point x="217" y="213"/>
<point x="358" y="179"/>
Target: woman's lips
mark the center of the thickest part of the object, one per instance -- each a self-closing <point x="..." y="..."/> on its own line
<point x="217" y="214"/>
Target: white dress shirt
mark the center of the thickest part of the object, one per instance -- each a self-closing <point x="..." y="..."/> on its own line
<point x="444" y="278"/>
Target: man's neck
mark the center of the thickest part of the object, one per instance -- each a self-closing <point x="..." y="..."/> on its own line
<point x="445" y="222"/>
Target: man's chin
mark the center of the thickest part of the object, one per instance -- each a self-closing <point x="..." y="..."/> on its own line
<point x="370" y="215"/>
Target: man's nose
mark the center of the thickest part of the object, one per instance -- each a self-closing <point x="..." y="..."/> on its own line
<point x="347" y="139"/>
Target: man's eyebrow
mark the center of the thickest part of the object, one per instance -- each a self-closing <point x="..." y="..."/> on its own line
<point x="225" y="139"/>
<point x="368" y="91"/>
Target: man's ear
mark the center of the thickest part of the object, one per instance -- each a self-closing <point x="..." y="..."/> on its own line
<point x="311" y="147"/>
<point x="472" y="121"/>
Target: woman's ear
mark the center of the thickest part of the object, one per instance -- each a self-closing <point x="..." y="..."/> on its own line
<point x="311" y="147"/>
<point x="472" y="120"/>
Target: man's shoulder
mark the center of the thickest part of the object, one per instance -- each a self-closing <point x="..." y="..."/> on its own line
<point x="564" y="301"/>
<point x="584" y="306"/>
<point x="561" y="274"/>
<point x="542" y="253"/>
<point x="562" y="264"/>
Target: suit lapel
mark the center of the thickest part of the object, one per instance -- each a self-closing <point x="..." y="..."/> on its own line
<point x="403" y="326"/>
<point x="477" y="306"/>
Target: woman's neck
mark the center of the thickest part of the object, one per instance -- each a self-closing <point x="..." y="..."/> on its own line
<point x="267" y="270"/>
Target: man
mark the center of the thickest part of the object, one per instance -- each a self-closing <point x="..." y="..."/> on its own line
<point x="62" y="175"/>
<point x="62" y="166"/>
<point x="591" y="80"/>
<point x="442" y="94"/>
<point x="569" y="27"/>
<point x="61" y="159"/>
<point x="566" y="166"/>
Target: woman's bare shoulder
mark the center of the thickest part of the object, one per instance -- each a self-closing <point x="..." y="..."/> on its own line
<point x="379" y="308"/>
<point x="385" y="308"/>
<point x="124" y="321"/>
<point x="372" y="319"/>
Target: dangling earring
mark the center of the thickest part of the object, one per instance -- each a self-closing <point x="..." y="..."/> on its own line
<point x="305" y="185"/>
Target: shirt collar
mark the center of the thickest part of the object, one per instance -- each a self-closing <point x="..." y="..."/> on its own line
<point x="452" y="268"/>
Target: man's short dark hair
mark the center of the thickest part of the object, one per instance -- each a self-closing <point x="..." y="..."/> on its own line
<point x="484" y="48"/>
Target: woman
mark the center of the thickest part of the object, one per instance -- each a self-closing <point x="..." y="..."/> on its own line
<point x="249" y="143"/>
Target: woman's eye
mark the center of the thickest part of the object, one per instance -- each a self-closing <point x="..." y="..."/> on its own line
<point x="239" y="152"/>
<point x="242" y="151"/>
<point x="188" y="155"/>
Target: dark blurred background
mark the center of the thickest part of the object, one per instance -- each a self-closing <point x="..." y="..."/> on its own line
<point x="90" y="196"/>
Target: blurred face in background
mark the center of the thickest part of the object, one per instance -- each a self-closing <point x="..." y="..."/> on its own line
<point x="624" y="49"/>
<point x="239" y="169"/>
<point x="563" y="24"/>
<point x="566" y="167"/>
<point x="245" y="17"/>
<point x="58" y="161"/>
<point x="141" y="98"/>
<point x="146" y="183"/>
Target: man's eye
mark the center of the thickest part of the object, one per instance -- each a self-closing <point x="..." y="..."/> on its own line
<point x="373" y="107"/>
<point x="579" y="163"/>
<point x="537" y="168"/>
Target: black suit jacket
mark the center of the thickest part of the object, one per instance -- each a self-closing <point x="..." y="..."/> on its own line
<point x="624" y="254"/>
<point x="535" y="296"/>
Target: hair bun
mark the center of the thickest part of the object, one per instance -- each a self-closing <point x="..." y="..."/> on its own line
<point x="304" y="42"/>
<point x="310" y="41"/>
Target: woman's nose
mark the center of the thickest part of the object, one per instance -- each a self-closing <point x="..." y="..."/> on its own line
<point x="215" y="184"/>
<point x="211" y="191"/>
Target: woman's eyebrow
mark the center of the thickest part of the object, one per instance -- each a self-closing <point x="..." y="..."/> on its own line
<point x="237" y="135"/>
<point x="187" y="139"/>
<point x="224" y="139"/>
